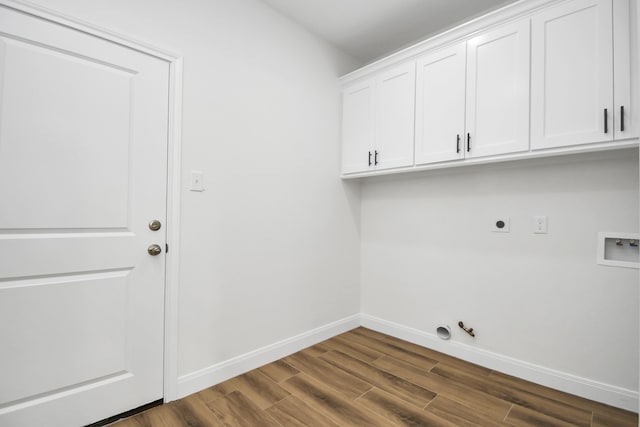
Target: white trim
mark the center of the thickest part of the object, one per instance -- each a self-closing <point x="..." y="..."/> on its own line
<point x="209" y="376"/>
<point x="601" y="392"/>
<point x="172" y="272"/>
<point x="174" y="147"/>
<point x="533" y="154"/>
<point x="455" y="35"/>
<point x="579" y="386"/>
<point x="89" y="28"/>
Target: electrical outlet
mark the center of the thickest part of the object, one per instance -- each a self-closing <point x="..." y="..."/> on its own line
<point x="540" y="224"/>
<point x="501" y="225"/>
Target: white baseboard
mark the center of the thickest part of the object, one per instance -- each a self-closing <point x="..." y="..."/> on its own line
<point x="207" y="377"/>
<point x="605" y="393"/>
<point x="600" y="392"/>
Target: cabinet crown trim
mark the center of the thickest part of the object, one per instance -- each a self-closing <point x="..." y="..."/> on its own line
<point x="459" y="33"/>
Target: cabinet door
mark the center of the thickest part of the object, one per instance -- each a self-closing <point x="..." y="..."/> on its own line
<point x="625" y="65"/>
<point x="358" y="127"/>
<point x="572" y="74"/>
<point x="497" y="119"/>
<point x="440" y="104"/>
<point x="395" y="107"/>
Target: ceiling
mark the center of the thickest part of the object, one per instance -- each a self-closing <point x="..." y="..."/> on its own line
<point x="369" y="29"/>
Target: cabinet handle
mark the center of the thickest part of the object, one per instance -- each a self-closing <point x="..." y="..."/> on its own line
<point x="606" y="122"/>
<point x="369" y="158"/>
<point x="468" y="142"/>
<point x="622" y="118"/>
<point x="457" y="143"/>
<point x="375" y="158"/>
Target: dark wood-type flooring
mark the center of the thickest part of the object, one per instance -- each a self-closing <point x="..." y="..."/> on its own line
<point x="365" y="378"/>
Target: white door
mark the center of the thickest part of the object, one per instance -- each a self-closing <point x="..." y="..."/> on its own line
<point x="440" y="105"/>
<point x="394" y="117"/>
<point x="83" y="151"/>
<point x="497" y="118"/>
<point x="572" y="74"/>
<point x="358" y="127"/>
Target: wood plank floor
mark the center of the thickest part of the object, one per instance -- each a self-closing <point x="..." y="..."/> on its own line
<point x="364" y="378"/>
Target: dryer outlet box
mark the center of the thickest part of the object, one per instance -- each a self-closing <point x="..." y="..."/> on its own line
<point x="501" y="225"/>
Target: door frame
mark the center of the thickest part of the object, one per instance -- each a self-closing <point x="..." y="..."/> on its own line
<point x="174" y="150"/>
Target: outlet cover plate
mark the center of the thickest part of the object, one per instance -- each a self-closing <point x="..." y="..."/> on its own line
<point x="540" y="224"/>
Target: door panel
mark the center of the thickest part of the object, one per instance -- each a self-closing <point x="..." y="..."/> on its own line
<point x="497" y="113"/>
<point x="394" y="119"/>
<point x="83" y="164"/>
<point x="66" y="351"/>
<point x="43" y="88"/>
<point x="440" y="105"/>
<point x="572" y="74"/>
<point x="357" y="127"/>
<point x="625" y="65"/>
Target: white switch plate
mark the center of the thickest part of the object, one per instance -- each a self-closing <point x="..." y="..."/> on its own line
<point x="197" y="181"/>
<point x="501" y="225"/>
<point x="540" y="224"/>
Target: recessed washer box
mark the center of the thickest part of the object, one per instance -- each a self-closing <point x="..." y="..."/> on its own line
<point x="618" y="249"/>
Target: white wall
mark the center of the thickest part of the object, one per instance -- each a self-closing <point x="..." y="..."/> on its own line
<point x="271" y="248"/>
<point x="429" y="258"/>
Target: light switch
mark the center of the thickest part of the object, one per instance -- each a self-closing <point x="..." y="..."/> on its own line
<point x="197" y="181"/>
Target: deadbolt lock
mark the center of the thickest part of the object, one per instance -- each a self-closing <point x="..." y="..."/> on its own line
<point x="155" y="225"/>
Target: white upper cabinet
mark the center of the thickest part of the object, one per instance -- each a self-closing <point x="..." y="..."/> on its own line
<point x="440" y="104"/>
<point x="497" y="113"/>
<point x="572" y="74"/>
<point x="625" y="65"/>
<point x="395" y="103"/>
<point x="378" y="121"/>
<point x="473" y="98"/>
<point x="358" y="126"/>
<point x="537" y="78"/>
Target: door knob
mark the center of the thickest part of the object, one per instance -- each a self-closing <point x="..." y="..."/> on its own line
<point x="155" y="225"/>
<point x="154" y="250"/>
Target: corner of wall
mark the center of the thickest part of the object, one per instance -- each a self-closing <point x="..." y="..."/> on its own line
<point x="605" y="393"/>
<point x="211" y="375"/>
